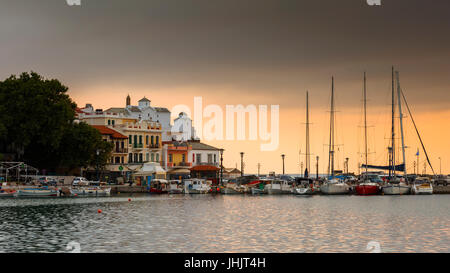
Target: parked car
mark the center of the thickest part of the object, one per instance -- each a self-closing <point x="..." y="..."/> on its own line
<point x="80" y="181"/>
<point x="47" y="181"/>
<point x="442" y="180"/>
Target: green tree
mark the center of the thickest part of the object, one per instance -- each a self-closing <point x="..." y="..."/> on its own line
<point x="37" y="124"/>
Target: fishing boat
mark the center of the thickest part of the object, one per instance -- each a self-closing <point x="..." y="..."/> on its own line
<point x="278" y="186"/>
<point x="231" y="187"/>
<point x="303" y="187"/>
<point x="196" y="186"/>
<point x="333" y="186"/>
<point x="260" y="187"/>
<point x="422" y="185"/>
<point x="37" y="192"/>
<point x="175" y="187"/>
<point x="7" y="193"/>
<point x="366" y="186"/>
<point x="90" y="191"/>
<point x="158" y="186"/>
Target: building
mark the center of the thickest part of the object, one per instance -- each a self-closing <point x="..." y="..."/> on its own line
<point x="142" y="142"/>
<point x="120" y="150"/>
<point x="144" y="111"/>
<point x="203" y="154"/>
<point x="230" y="173"/>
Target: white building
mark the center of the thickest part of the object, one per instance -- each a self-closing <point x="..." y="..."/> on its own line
<point x="203" y="154"/>
<point x="182" y="129"/>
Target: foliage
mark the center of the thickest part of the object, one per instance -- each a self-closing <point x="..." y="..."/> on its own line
<point x="37" y="124"/>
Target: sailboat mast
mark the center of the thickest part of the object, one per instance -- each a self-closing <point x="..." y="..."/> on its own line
<point x="392" y="151"/>
<point x="365" y="124"/>
<point x="331" y="146"/>
<point x="401" y="120"/>
<point x="307" y="159"/>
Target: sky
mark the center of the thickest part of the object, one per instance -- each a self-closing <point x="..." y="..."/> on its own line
<point x="250" y="52"/>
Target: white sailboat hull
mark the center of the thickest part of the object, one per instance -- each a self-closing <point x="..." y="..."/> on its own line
<point x="334" y="188"/>
<point x="396" y="190"/>
<point x="303" y="191"/>
<point x="422" y="190"/>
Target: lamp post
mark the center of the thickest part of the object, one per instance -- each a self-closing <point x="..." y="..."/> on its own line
<point x="221" y="167"/>
<point x="282" y="157"/>
<point x="259" y="167"/>
<point x="98" y="155"/>
<point x="317" y="167"/>
<point x="346" y="164"/>
<point x="440" y="166"/>
<point x="242" y="163"/>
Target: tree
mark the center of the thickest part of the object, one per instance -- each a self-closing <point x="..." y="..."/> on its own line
<point x="37" y="124"/>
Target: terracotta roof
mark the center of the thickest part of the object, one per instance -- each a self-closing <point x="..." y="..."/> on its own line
<point x="144" y="99"/>
<point x="78" y="110"/>
<point x="204" y="168"/>
<point x="202" y="146"/>
<point x="108" y="131"/>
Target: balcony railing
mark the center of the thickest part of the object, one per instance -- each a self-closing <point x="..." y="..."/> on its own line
<point x="120" y="150"/>
<point x="154" y="146"/>
<point x="138" y="145"/>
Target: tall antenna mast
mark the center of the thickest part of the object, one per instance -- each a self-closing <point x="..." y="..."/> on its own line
<point x="401" y="120"/>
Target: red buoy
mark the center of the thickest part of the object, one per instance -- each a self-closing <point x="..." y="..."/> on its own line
<point x="129" y="199"/>
<point x="99" y="211"/>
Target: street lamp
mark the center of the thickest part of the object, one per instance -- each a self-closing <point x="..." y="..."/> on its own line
<point x="317" y="167"/>
<point x="282" y="157"/>
<point x="242" y="163"/>
<point x="98" y="155"/>
<point x="440" y="166"/>
<point x="221" y="167"/>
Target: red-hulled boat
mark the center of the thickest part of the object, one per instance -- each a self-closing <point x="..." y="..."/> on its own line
<point x="367" y="188"/>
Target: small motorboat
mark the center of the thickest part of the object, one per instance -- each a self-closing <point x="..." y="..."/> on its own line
<point x="304" y="186"/>
<point x="175" y="187"/>
<point x="7" y="193"/>
<point x="37" y="192"/>
<point x="90" y="191"/>
<point x="158" y="186"/>
<point x="334" y="187"/>
<point x="196" y="186"/>
<point x="422" y="185"/>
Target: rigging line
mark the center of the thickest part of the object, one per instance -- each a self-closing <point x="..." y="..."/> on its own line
<point x="417" y="131"/>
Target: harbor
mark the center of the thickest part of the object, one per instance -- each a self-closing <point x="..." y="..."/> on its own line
<point x="207" y="223"/>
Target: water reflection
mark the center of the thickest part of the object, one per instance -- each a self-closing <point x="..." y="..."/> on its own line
<point x="205" y="223"/>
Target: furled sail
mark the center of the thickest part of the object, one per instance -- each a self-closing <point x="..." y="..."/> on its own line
<point x="400" y="168"/>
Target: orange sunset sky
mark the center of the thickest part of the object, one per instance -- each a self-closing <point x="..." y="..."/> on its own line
<point x="261" y="52"/>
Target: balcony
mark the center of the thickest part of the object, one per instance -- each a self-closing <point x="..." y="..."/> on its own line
<point x="120" y="150"/>
<point x="138" y="145"/>
<point x="154" y="146"/>
<point x="179" y="164"/>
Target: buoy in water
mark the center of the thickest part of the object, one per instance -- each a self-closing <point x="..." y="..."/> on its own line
<point x="99" y="211"/>
<point x="129" y="199"/>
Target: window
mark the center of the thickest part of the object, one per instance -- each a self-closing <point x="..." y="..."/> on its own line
<point x="117" y="160"/>
<point x="136" y="158"/>
<point x="183" y="158"/>
<point x="151" y="140"/>
<point x="157" y="157"/>
<point x="153" y="157"/>
<point x="135" y="139"/>
<point x="130" y="139"/>
<point x="209" y="158"/>
<point x="130" y="158"/>
<point x="170" y="158"/>
<point x="199" y="158"/>
<point x="122" y="160"/>
<point x="146" y="140"/>
<point x="140" y="139"/>
<point x="140" y="157"/>
<point x="113" y="122"/>
<point x="146" y="157"/>
<point x="215" y="158"/>
<point x="157" y="140"/>
<point x="109" y="122"/>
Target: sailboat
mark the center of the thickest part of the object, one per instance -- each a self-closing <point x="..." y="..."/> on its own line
<point x="304" y="184"/>
<point x="395" y="186"/>
<point x="333" y="185"/>
<point x="366" y="186"/>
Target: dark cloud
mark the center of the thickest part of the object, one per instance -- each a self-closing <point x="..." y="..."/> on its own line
<point x="257" y="45"/>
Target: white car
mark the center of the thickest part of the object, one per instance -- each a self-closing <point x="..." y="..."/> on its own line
<point x="80" y="181"/>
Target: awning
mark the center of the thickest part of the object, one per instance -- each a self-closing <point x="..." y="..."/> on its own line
<point x="179" y="171"/>
<point x="209" y="168"/>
